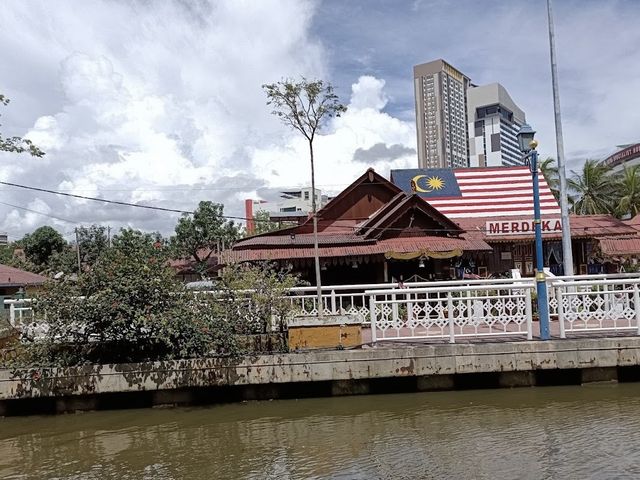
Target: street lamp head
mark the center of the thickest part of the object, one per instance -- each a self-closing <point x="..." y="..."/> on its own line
<point x="525" y="138"/>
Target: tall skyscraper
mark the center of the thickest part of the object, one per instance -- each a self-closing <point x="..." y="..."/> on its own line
<point x="441" y="110"/>
<point x="494" y="120"/>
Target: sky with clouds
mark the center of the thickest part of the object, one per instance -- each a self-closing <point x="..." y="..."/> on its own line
<point x="160" y="102"/>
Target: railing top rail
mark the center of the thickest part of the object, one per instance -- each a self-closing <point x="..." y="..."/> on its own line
<point x="327" y="289"/>
<point x="454" y="285"/>
<point x="10" y="301"/>
<point x="587" y="283"/>
<point x="470" y="288"/>
<point x="595" y="276"/>
<point x="382" y="286"/>
<point x="465" y="298"/>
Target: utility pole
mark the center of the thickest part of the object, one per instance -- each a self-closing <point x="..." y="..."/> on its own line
<point x="78" y="252"/>
<point x="109" y="235"/>
<point x="567" y="252"/>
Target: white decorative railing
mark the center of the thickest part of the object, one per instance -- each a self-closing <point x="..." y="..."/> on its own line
<point x="598" y="305"/>
<point x="452" y="309"/>
<point x="354" y="299"/>
<point x="451" y="312"/>
<point x="20" y="311"/>
<point x="554" y="282"/>
<point x="21" y="318"/>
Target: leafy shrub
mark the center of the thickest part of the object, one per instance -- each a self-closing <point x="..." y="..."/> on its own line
<point x="256" y="293"/>
<point x="130" y="307"/>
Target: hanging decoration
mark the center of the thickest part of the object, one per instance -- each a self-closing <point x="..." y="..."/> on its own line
<point x="422" y="253"/>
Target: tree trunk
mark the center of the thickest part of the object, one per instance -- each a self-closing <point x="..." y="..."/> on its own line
<point x="316" y="253"/>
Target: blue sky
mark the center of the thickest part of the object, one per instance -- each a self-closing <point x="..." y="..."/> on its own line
<point x="507" y="42"/>
<point x="161" y="102"/>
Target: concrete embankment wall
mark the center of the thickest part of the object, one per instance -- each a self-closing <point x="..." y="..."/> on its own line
<point x="372" y="370"/>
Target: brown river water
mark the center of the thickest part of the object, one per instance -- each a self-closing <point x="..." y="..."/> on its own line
<point x="538" y="433"/>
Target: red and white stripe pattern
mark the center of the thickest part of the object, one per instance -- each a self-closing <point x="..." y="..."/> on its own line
<point x="495" y="192"/>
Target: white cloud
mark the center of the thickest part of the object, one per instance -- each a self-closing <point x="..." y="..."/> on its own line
<point x="368" y="93"/>
<point x="148" y="101"/>
<point x="162" y="102"/>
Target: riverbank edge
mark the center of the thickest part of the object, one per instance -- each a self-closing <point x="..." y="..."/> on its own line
<point x="383" y="369"/>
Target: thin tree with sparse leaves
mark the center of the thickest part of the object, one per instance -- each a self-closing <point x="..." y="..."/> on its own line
<point x="306" y="106"/>
<point x="17" y="144"/>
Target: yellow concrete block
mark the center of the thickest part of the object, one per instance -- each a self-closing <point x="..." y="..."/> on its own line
<point x="324" y="336"/>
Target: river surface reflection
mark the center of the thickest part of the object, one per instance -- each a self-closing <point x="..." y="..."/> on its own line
<point x="537" y="433"/>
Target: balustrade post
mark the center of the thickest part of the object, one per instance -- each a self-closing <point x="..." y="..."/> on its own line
<point x="559" y="299"/>
<point x="636" y="305"/>
<point x="372" y="316"/>
<point x="333" y="302"/>
<point x="529" y="312"/>
<point x="607" y="299"/>
<point x="452" y="333"/>
<point x="394" y="308"/>
<point x="12" y="314"/>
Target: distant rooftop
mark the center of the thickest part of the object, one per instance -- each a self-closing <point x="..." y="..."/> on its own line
<point x="10" y="276"/>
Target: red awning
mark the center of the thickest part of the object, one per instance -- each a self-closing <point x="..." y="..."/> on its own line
<point x="616" y="247"/>
<point x="398" y="245"/>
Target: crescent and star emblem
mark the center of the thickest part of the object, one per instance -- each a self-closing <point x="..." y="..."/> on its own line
<point x="431" y="184"/>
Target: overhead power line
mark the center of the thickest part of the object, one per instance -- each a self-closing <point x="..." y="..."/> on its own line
<point x="188" y="212"/>
<point x="94" y="199"/>
<point x="39" y="213"/>
<point x="112" y="202"/>
<point x="348" y="228"/>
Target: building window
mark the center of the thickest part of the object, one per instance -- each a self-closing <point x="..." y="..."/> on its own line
<point x="306" y="195"/>
<point x="495" y="142"/>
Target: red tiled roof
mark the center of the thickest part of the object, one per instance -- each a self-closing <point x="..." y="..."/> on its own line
<point x="399" y="245"/>
<point x="434" y="244"/>
<point x="620" y="246"/>
<point x="633" y="222"/>
<point x="582" y="226"/>
<point x="301" y="239"/>
<point x="10" y="276"/>
<point x="598" y="226"/>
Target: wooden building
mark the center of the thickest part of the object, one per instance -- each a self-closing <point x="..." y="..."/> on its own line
<point x="435" y="224"/>
<point x="371" y="232"/>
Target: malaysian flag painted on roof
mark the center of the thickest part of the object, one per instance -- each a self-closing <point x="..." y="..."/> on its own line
<point x="477" y="192"/>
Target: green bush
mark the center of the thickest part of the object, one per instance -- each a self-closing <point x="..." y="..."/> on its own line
<point x="255" y="293"/>
<point x="130" y="308"/>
